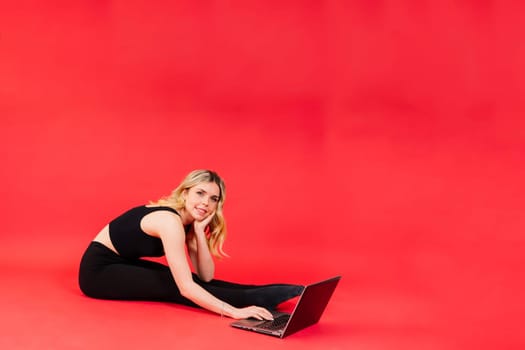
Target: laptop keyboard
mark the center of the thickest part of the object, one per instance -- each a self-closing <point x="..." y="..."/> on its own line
<point x="276" y="324"/>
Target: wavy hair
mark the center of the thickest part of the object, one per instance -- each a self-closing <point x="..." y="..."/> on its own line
<point x="216" y="234"/>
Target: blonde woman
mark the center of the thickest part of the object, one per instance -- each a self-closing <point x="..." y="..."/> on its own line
<point x="189" y="220"/>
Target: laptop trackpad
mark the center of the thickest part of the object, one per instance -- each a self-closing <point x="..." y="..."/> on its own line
<point x="249" y="322"/>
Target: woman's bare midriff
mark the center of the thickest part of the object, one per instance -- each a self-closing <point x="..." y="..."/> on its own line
<point x="103" y="237"/>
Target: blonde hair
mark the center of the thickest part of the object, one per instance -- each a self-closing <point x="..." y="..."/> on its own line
<point x="217" y="227"/>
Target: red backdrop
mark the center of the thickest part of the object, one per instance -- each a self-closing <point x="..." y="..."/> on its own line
<point x="380" y="140"/>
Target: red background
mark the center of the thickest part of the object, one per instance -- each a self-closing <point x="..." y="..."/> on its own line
<point x="379" y="140"/>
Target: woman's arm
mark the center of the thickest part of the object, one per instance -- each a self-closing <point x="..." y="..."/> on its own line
<point x="169" y="229"/>
<point x="198" y="250"/>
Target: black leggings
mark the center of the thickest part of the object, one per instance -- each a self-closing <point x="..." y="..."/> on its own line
<point x="106" y="275"/>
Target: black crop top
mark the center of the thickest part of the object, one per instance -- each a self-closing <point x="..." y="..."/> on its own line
<point x="129" y="239"/>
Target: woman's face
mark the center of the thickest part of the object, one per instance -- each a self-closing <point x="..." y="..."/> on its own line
<point x="202" y="200"/>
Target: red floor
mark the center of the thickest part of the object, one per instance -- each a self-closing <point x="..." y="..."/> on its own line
<point x="43" y="308"/>
<point x="382" y="141"/>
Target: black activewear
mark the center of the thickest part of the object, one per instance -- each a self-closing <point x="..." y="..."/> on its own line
<point x="130" y="240"/>
<point x="104" y="274"/>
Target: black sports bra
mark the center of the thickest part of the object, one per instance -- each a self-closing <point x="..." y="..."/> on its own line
<point x="129" y="239"/>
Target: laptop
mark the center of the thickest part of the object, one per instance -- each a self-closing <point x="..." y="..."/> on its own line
<point x="307" y="311"/>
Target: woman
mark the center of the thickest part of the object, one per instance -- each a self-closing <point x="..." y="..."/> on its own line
<point x="191" y="220"/>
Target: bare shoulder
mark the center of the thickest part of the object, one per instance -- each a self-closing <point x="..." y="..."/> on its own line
<point x="162" y="222"/>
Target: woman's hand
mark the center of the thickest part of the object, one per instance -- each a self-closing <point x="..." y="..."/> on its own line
<point x="199" y="227"/>
<point x="257" y="312"/>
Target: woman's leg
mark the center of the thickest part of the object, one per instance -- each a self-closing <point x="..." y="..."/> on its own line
<point x="241" y="295"/>
<point x="106" y="275"/>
